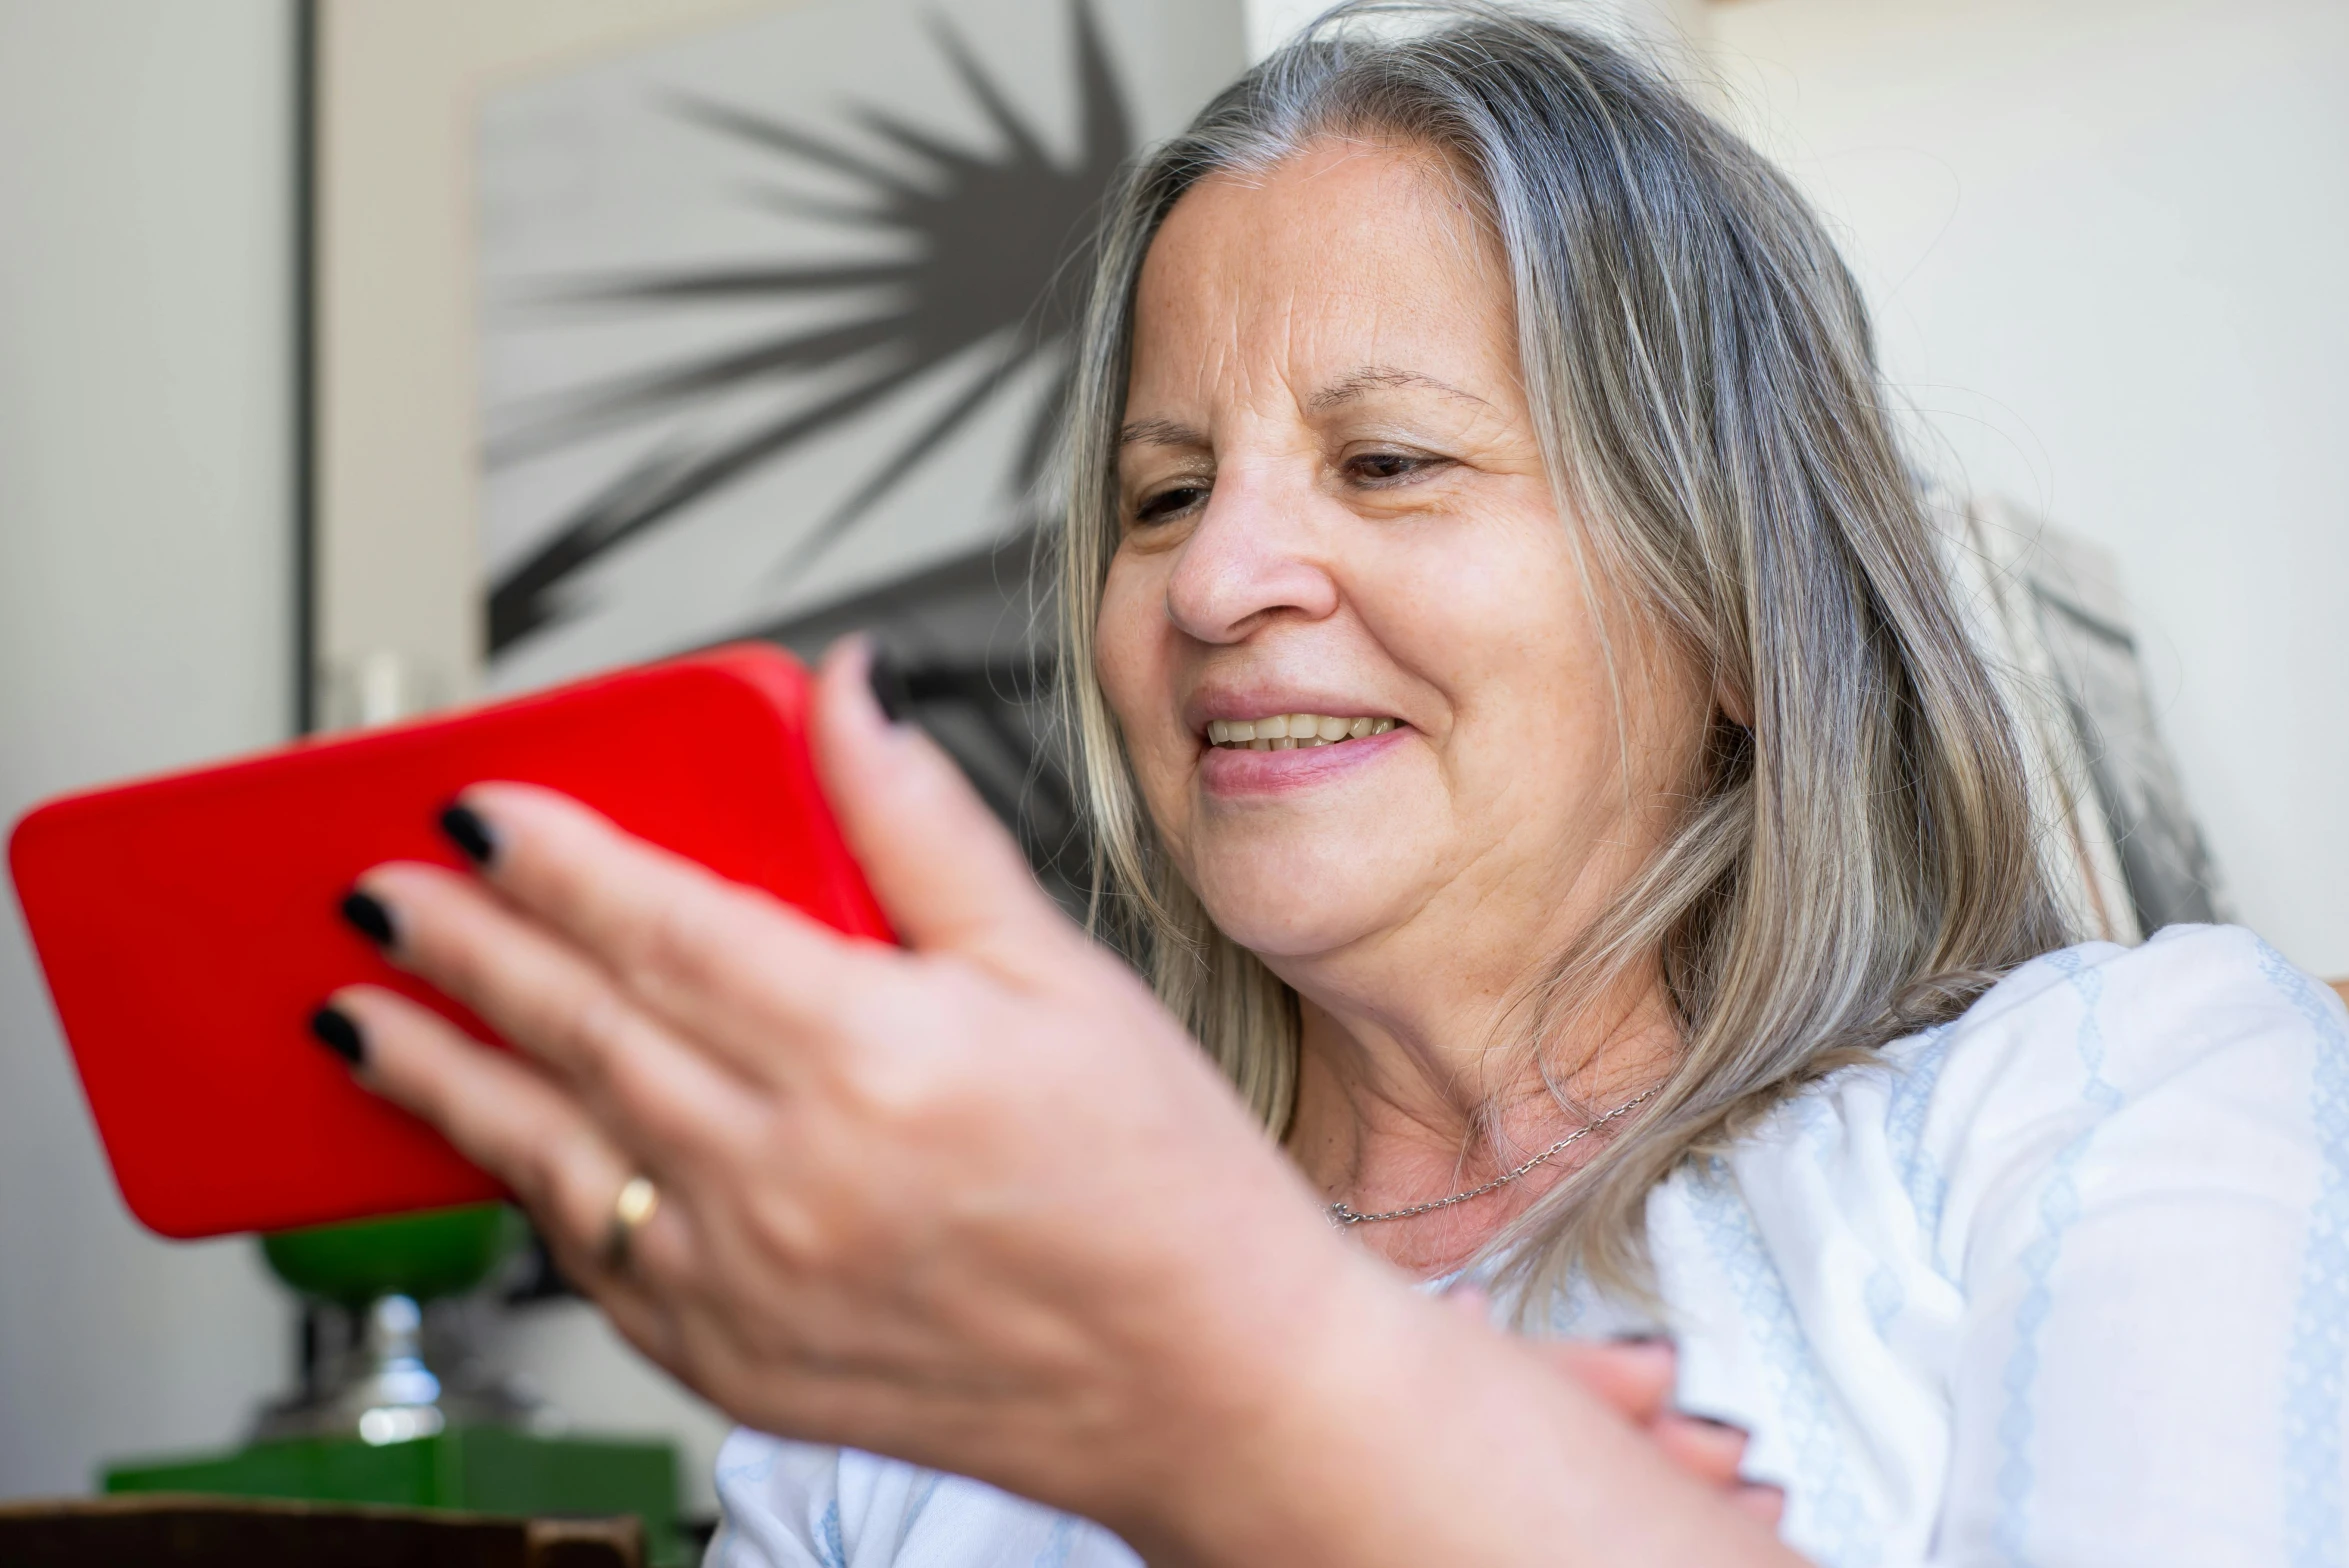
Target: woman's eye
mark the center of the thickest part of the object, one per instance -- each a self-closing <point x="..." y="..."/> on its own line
<point x="1386" y="468"/>
<point x="1166" y="505"/>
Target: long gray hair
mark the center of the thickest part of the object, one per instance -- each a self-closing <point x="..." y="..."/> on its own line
<point x="1861" y="860"/>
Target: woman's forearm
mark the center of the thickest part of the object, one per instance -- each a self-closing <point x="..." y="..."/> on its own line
<point x="1381" y="1429"/>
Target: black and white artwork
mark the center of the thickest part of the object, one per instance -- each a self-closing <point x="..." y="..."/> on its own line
<point x="2047" y="605"/>
<point x="775" y="327"/>
<point x="2164" y="862"/>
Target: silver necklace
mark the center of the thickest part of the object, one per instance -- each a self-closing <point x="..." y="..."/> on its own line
<point x="1343" y="1215"/>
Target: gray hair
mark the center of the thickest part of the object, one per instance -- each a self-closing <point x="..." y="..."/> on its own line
<point x="1861" y="861"/>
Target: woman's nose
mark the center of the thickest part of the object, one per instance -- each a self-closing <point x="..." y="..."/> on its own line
<point x="1248" y="560"/>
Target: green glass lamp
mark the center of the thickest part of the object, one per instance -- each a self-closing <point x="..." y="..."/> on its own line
<point x="373" y="1378"/>
<point x="383" y="1417"/>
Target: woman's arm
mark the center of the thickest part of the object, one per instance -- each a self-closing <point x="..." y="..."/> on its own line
<point x="978" y="1203"/>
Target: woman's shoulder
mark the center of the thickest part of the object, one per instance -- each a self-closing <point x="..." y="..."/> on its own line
<point x="2080" y="1033"/>
<point x="1939" y="1287"/>
<point x="2201" y="1049"/>
<point x="2185" y="992"/>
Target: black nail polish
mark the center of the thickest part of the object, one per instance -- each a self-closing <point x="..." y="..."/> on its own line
<point x="367" y="912"/>
<point x="469" y="833"/>
<point x="338" y="1034"/>
<point x="889" y="688"/>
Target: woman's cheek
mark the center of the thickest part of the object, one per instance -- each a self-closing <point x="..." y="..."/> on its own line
<point x="1121" y="641"/>
<point x="1132" y="664"/>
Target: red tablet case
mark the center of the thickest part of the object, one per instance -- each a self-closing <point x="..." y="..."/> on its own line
<point x="188" y="924"/>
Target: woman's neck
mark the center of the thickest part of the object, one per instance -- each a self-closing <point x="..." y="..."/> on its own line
<point x="1387" y="1118"/>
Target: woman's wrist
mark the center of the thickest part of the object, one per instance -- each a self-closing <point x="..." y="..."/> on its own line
<point x="1326" y="1423"/>
<point x="1246" y="1452"/>
<point x="1371" y="1426"/>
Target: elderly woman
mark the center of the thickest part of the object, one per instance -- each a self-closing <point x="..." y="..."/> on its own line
<point x="1533" y="750"/>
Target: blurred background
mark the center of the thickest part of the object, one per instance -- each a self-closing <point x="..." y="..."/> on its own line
<point x="363" y="356"/>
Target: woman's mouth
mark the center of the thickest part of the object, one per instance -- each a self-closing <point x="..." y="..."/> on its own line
<point x="1293" y="731"/>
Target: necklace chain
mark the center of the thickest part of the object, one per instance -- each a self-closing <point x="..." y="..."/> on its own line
<point x="1343" y="1215"/>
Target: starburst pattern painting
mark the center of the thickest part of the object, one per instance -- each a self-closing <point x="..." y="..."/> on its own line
<point x="993" y="248"/>
<point x="776" y="329"/>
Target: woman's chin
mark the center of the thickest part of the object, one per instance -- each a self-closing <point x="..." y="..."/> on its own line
<point x="1298" y="906"/>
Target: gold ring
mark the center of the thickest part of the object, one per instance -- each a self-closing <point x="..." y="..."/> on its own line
<point x="638" y="1202"/>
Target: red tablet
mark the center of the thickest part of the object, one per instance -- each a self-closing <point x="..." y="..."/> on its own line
<point x="187" y="925"/>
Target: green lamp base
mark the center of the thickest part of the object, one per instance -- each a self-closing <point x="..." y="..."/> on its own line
<point x="488" y="1470"/>
<point x="376" y="1424"/>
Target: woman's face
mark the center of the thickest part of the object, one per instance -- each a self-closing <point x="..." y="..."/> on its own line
<point x="1335" y="505"/>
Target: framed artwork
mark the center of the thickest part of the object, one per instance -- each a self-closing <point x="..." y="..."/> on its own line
<point x="2124" y="846"/>
<point x="644" y="326"/>
<point x="629" y="326"/>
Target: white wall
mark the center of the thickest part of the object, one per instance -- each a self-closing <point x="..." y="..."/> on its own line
<point x="144" y="607"/>
<point x="1668" y="23"/>
<point x="2105" y="243"/>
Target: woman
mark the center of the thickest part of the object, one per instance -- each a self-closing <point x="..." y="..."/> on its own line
<point x="1533" y="748"/>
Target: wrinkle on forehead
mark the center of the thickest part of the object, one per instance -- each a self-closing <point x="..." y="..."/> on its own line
<point x="1352" y="309"/>
<point x="1474" y="234"/>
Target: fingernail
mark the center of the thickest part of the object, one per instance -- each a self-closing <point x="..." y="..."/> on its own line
<point x="367" y="912"/>
<point x="889" y="689"/>
<point x="470" y="833"/>
<point x="337" y="1033"/>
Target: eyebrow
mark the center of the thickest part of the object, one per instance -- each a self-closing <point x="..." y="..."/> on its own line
<point x="1160" y="432"/>
<point x="1376" y="378"/>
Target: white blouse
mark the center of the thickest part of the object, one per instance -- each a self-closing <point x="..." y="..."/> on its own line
<point x="2063" y="1282"/>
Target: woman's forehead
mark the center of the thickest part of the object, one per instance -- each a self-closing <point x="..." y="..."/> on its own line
<point x="1342" y="256"/>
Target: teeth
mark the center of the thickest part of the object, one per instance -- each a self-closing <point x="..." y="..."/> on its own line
<point x="1292" y="731"/>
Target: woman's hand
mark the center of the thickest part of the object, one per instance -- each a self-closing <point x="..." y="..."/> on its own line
<point x="978" y="1203"/>
<point x="952" y="1201"/>
<point x="1636" y="1379"/>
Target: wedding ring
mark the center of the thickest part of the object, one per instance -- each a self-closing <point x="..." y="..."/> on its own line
<point x="638" y="1202"/>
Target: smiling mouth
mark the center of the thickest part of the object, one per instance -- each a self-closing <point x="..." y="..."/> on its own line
<point x="1292" y="731"/>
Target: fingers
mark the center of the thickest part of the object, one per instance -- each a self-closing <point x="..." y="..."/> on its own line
<point x="642" y="1084"/>
<point x="512" y="1122"/>
<point x="944" y="869"/>
<point x="1708" y="1450"/>
<point x="1636" y="1378"/>
<point x="731" y="968"/>
<point x="1633" y="1376"/>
